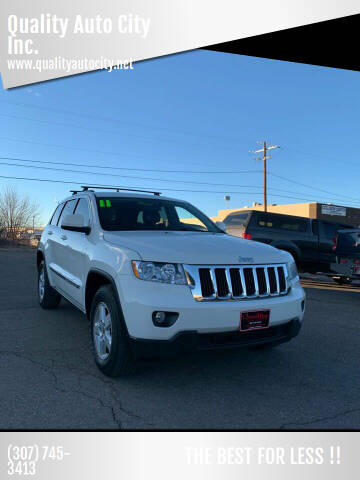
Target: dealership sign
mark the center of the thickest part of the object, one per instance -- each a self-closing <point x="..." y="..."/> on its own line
<point x="332" y="210"/>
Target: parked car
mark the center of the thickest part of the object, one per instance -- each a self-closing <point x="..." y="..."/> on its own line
<point x="152" y="282"/>
<point x="347" y="251"/>
<point x="309" y="241"/>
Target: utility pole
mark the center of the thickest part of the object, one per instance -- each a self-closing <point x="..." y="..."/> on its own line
<point x="265" y="157"/>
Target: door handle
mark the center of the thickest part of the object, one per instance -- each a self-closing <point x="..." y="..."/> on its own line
<point x="63" y="237"/>
<point x="50" y="232"/>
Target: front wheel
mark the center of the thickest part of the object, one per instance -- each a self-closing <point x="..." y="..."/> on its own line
<point x="112" y="353"/>
<point x="48" y="297"/>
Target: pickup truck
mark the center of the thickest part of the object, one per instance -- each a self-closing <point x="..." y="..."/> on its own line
<point x="155" y="276"/>
<point x="309" y="241"/>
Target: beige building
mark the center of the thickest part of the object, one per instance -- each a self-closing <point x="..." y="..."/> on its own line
<point x="323" y="211"/>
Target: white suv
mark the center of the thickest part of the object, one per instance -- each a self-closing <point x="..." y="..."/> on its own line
<point x="156" y="276"/>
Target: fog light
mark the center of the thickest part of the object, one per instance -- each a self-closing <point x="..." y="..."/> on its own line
<point x="160" y="317"/>
<point x="164" y="319"/>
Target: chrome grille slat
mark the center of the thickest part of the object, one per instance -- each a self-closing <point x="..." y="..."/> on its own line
<point x="229" y="282"/>
<point x="214" y="282"/>
<point x="243" y="283"/>
<point x="221" y="278"/>
<point x="277" y="281"/>
<point x="256" y="294"/>
<point x="267" y="281"/>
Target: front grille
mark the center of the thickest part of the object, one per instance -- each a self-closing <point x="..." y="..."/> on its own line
<point x="236" y="282"/>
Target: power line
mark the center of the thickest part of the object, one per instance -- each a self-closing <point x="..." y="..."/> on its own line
<point x="124" y="176"/>
<point x="111" y="132"/>
<point x="145" y="188"/>
<point x="56" y="145"/>
<point x="202" y="172"/>
<point x="199" y="172"/>
<point x="336" y="197"/>
<point x="134" y="177"/>
<point x="119" y="121"/>
<point x="305" y="185"/>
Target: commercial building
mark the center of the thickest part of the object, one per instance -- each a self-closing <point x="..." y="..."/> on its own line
<point x="323" y="211"/>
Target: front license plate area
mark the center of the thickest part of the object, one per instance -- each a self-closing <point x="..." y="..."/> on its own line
<point x="254" y="320"/>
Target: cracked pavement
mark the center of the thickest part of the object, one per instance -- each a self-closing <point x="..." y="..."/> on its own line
<point x="48" y="379"/>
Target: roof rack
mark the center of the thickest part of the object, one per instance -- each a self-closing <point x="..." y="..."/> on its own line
<point x="86" y="188"/>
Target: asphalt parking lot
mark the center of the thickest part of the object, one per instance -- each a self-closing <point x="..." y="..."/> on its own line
<point x="48" y="379"/>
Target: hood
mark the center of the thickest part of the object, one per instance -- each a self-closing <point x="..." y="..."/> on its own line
<point x="196" y="248"/>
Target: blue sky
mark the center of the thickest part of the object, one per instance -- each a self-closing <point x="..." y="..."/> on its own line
<point x="197" y="111"/>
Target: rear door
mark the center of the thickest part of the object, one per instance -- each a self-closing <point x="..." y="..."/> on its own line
<point x="74" y="256"/>
<point x="58" y="253"/>
<point x="51" y="240"/>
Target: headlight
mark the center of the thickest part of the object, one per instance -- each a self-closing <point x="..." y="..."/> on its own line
<point x="292" y="270"/>
<point x="159" y="272"/>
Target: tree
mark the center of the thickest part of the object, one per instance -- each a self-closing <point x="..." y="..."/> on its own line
<point x="16" y="212"/>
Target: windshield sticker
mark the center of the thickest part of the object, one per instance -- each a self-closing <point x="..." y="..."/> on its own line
<point x="105" y="203"/>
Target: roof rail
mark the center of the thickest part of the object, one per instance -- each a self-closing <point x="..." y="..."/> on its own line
<point x="74" y="192"/>
<point x="86" y="188"/>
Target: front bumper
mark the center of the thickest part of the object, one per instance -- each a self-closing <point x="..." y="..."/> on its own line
<point x="139" y="299"/>
<point x="190" y="341"/>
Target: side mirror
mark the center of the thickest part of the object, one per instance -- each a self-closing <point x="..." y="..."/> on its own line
<point x="221" y="225"/>
<point x="75" y="223"/>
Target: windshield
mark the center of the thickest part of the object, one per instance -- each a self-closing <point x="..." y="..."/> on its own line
<point x="122" y="214"/>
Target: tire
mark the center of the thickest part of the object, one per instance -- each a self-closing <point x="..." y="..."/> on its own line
<point x="111" y="350"/>
<point x="343" y="280"/>
<point x="48" y="297"/>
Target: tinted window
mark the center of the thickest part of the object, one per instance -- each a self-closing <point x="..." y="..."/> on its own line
<point x="292" y="224"/>
<point x="68" y="210"/>
<point x="116" y="213"/>
<point x="330" y="229"/>
<point x="239" y="219"/>
<point x="348" y="242"/>
<point x="82" y="208"/>
<point x="56" y="214"/>
<point x="268" y="221"/>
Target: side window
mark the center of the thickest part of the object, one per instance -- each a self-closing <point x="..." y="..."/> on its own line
<point x="330" y="229"/>
<point x="82" y="208"/>
<point x="68" y="210"/>
<point x="268" y="221"/>
<point x="187" y="218"/>
<point x="56" y="214"/>
<point x="293" y="224"/>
